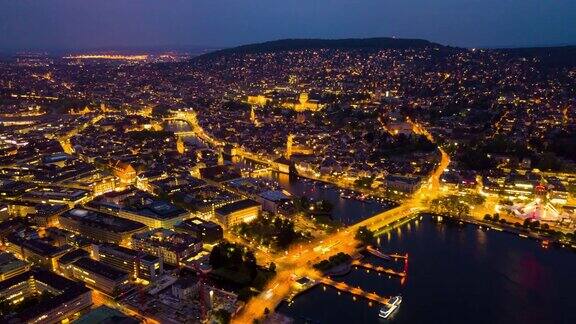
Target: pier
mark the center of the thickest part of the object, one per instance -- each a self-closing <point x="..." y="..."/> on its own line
<point x="355" y="291"/>
<point x="369" y="266"/>
<point x="381" y="255"/>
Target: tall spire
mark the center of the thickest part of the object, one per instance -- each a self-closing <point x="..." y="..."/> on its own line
<point x="289" y="141"/>
<point x="180" y="145"/>
<point x="253" y="118"/>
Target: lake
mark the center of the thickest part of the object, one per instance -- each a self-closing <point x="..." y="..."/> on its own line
<point x="455" y="275"/>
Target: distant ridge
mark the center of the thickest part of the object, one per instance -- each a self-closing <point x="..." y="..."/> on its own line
<point x="549" y="56"/>
<point x="303" y="44"/>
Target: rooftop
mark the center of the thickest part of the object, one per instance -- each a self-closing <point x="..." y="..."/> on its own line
<point x="9" y="262"/>
<point x="106" y="315"/>
<point x="100" y="268"/>
<point x="102" y="220"/>
<point x="65" y="291"/>
<point x="237" y="206"/>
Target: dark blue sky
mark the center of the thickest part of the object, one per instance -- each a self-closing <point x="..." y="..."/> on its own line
<point x="78" y="24"/>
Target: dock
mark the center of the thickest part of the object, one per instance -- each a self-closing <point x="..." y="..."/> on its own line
<point x="369" y="266"/>
<point x="355" y="291"/>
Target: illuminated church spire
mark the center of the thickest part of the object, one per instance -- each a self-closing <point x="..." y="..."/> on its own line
<point x="253" y="118"/>
<point x="289" y="141"/>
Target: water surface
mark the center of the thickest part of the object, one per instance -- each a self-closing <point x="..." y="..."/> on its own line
<point x="455" y="275"/>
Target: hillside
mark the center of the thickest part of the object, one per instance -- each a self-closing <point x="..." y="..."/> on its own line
<point x="557" y="56"/>
<point x="549" y="57"/>
<point x="302" y="44"/>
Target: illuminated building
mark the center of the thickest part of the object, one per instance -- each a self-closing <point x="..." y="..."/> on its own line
<point x="100" y="226"/>
<point x="402" y="183"/>
<point x="142" y="207"/>
<point x="36" y="251"/>
<point x="303" y="103"/>
<point x="242" y="211"/>
<point x="108" y="57"/>
<point x="65" y="262"/>
<point x="137" y="263"/>
<point x="11" y="266"/>
<point x="273" y="200"/>
<point x="104" y="314"/>
<point x="56" y="195"/>
<point x="283" y="164"/>
<point x="180" y="145"/>
<point x="253" y="116"/>
<point x="557" y="192"/>
<point x="103" y="185"/>
<point x="206" y="199"/>
<point x="206" y="231"/>
<point x="95" y="182"/>
<point x="172" y="247"/>
<point x="124" y="171"/>
<point x="154" y="213"/>
<point x="69" y="299"/>
<point x="100" y="276"/>
<point x="258" y="100"/>
<point x="289" y="143"/>
<point x="185" y="287"/>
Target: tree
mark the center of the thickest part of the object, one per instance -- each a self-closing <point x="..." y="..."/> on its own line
<point x="549" y="161"/>
<point x="450" y="204"/>
<point x="217" y="258"/>
<point x="301" y="204"/>
<point x="324" y="206"/>
<point x="526" y="223"/>
<point x="365" y="235"/>
<point x="474" y="199"/>
<point x="364" y="182"/>
<point x="222" y="316"/>
<point x="233" y="256"/>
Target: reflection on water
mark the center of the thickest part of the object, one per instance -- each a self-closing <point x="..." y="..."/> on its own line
<point x="348" y="211"/>
<point x="182" y="126"/>
<point x="456" y="275"/>
<point x="177" y="126"/>
<point x="481" y="239"/>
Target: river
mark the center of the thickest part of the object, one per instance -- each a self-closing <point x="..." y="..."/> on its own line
<point x="347" y="211"/>
<point x="455" y="275"/>
<point x="182" y="126"/>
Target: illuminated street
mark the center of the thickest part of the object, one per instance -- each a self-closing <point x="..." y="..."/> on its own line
<point x="299" y="260"/>
<point x="287" y="162"/>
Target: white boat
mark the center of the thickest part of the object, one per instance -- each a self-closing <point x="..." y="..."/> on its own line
<point x="395" y="300"/>
<point x="390" y="307"/>
<point x="386" y="310"/>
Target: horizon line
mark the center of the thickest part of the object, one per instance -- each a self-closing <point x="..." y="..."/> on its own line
<point x="189" y="47"/>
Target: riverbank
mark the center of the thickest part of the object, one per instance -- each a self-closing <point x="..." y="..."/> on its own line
<point x="511" y="229"/>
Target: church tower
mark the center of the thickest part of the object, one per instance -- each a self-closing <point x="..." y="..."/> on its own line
<point x="180" y="145"/>
<point x="289" y="141"/>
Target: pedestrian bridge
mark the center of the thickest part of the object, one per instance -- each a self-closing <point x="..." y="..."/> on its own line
<point x="355" y="291"/>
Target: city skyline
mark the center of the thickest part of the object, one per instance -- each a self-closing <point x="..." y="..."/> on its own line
<point x="315" y="171"/>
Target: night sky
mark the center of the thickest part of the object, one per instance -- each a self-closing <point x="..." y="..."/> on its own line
<point x="82" y="24"/>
